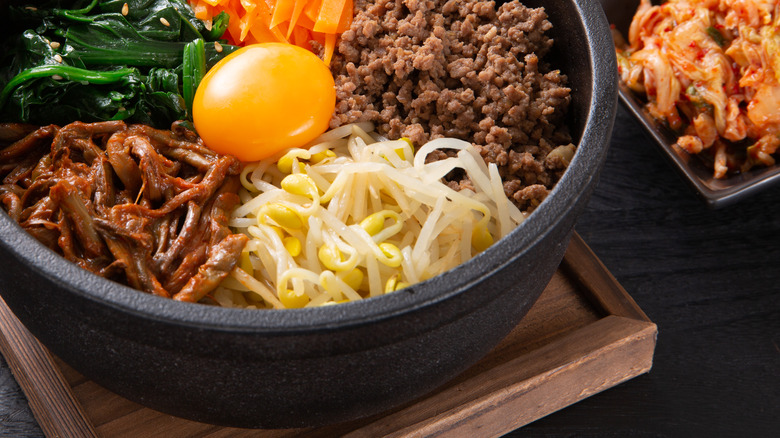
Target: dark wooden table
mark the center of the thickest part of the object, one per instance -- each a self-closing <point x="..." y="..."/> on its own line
<point x="710" y="279"/>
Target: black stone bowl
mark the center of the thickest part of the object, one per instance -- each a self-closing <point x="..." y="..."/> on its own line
<point x="307" y="367"/>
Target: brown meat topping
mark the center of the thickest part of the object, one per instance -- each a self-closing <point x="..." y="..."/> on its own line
<point x="425" y="69"/>
<point x="145" y="207"/>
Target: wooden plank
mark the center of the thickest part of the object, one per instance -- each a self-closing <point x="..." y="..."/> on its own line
<point x="584" y="334"/>
<point x="598" y="283"/>
<point x="511" y="395"/>
<point x="48" y="393"/>
<point x="149" y="423"/>
<point x="558" y="311"/>
<point x="103" y="406"/>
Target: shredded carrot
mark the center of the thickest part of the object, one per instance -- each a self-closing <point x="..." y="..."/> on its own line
<point x="330" y="45"/>
<point x="260" y="31"/>
<point x="301" y="37"/>
<point x="346" y="17"/>
<point x="312" y="9"/>
<point x="298" y="22"/>
<point x="296" y="15"/>
<point x="202" y="11"/>
<point x="318" y="36"/>
<point x="234" y="28"/>
<point x="329" y="16"/>
<point x="305" y="22"/>
<point x="265" y="15"/>
<point x="244" y="24"/>
<point x="283" y="11"/>
<point x="249" y="5"/>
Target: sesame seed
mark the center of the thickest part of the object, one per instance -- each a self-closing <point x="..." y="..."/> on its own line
<point x="164" y="21"/>
<point x="125" y="9"/>
<point x="217" y="46"/>
<point x="207" y="24"/>
<point x="54" y="45"/>
<point x="56" y="77"/>
<point x="58" y="58"/>
<point x="31" y="8"/>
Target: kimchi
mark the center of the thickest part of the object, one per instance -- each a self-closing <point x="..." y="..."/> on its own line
<point x="710" y="70"/>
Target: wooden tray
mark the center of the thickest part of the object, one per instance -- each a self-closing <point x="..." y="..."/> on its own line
<point x="584" y="335"/>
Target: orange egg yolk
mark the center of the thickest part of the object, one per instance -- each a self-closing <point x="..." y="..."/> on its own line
<point x="262" y="99"/>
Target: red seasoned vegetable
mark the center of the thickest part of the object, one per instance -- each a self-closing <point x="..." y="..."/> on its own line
<point x="142" y="206"/>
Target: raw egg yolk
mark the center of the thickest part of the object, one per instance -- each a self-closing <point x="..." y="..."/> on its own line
<point x="262" y="99"/>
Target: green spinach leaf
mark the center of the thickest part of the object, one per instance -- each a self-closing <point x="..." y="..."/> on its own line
<point x="93" y="62"/>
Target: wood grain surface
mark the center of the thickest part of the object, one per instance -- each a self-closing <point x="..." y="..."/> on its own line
<point x="34" y="367"/>
<point x="709" y="279"/>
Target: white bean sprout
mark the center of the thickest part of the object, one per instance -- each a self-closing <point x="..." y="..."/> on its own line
<point x="355" y="216"/>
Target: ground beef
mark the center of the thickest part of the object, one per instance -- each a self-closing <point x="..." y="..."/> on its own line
<point x="425" y="69"/>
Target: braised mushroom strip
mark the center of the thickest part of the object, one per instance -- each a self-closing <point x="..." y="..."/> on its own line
<point x="145" y="207"/>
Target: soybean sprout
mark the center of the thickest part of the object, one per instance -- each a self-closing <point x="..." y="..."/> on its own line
<point x="354" y="216"/>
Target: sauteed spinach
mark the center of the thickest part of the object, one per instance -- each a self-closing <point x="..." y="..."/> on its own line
<point x="100" y="60"/>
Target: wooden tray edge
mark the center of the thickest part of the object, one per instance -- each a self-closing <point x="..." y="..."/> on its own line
<point x="622" y="345"/>
<point x="49" y="394"/>
<point x="603" y="289"/>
